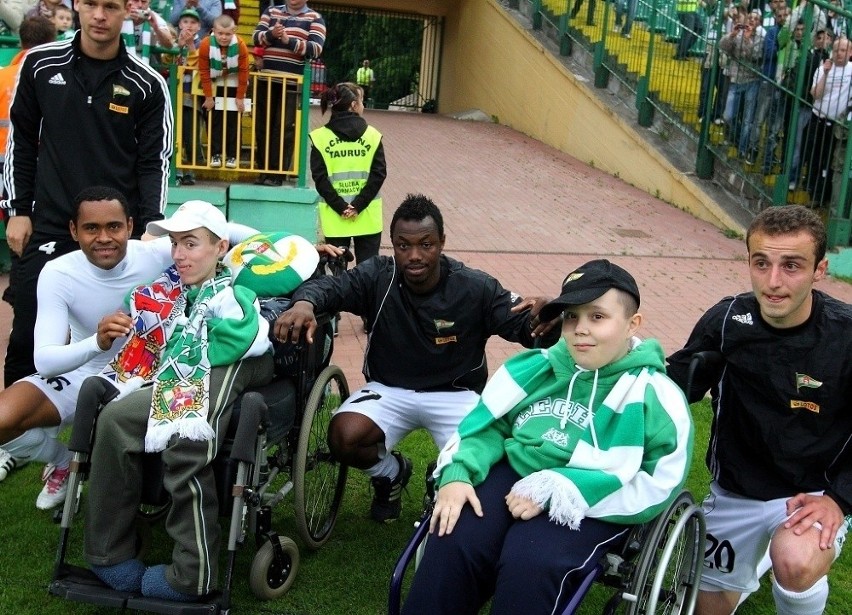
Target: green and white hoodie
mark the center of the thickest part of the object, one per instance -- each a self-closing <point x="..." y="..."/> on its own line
<point x="612" y="444"/>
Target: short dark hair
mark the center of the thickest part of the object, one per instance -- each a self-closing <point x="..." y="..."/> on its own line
<point x="789" y="220"/>
<point x="99" y="193"/>
<point x="418" y="207"/>
<point x="340" y="97"/>
<point x="36" y="30"/>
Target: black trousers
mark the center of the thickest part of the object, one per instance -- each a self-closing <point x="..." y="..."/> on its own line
<point x="527" y="566"/>
<point x="38" y="252"/>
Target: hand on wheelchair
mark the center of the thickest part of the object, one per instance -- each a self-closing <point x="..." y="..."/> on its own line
<point x="521" y="507"/>
<point x="329" y="251"/>
<point x="111" y="327"/>
<point x="807" y="510"/>
<point x="534" y="304"/>
<point x="449" y="503"/>
<point x="290" y="325"/>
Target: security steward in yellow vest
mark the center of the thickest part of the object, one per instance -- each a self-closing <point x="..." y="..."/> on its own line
<point x="348" y="168"/>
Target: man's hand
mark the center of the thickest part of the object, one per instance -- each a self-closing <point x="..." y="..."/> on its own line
<point x="350" y="212"/>
<point x="448" y="506"/>
<point x="111" y="327"/>
<point x="327" y="248"/>
<point x="289" y="326"/>
<point x="18" y="232"/>
<point x="241" y="105"/>
<point x="826" y="66"/>
<point x="208" y="103"/>
<point x="534" y="305"/>
<point x="522" y="508"/>
<point x="806" y="511"/>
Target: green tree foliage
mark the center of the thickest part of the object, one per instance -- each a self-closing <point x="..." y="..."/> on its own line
<point x="391" y="42"/>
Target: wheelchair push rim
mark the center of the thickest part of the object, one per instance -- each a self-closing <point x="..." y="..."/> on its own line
<point x="318" y="479"/>
<point x="668" y="571"/>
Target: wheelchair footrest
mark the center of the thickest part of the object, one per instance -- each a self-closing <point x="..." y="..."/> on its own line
<point x="81" y="585"/>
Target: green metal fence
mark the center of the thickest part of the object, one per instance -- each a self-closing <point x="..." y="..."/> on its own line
<point x="764" y="148"/>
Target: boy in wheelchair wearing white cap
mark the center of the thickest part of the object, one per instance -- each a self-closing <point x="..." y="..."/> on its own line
<point x="568" y="447"/>
<point x="198" y="340"/>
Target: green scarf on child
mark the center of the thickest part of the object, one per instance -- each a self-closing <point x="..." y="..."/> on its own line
<point x="173" y="359"/>
<point x="218" y="66"/>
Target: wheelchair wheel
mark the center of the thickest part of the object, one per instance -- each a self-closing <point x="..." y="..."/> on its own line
<point x="669" y="567"/>
<point x="270" y="576"/>
<point x="318" y="479"/>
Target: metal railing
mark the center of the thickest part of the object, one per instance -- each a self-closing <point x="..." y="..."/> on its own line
<point x="763" y="148"/>
<point x="269" y="139"/>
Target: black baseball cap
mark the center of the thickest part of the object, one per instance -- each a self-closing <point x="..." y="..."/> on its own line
<point x="587" y="283"/>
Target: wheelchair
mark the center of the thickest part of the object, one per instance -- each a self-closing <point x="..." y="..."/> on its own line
<point x="275" y="430"/>
<point x="656" y="570"/>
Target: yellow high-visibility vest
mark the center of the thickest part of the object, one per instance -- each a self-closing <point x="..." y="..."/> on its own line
<point x="348" y="164"/>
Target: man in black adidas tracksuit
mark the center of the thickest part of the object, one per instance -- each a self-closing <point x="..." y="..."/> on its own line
<point x="84" y="113"/>
<point x="779" y="450"/>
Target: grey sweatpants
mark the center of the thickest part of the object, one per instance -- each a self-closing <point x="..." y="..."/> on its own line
<point x="116" y="477"/>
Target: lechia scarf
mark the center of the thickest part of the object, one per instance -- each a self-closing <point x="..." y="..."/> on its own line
<point x="128" y="34"/>
<point x="218" y="66"/>
<point x="180" y="370"/>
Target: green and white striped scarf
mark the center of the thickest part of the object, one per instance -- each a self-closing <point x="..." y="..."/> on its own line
<point x="179" y="368"/>
<point x="219" y="67"/>
<point x="128" y="34"/>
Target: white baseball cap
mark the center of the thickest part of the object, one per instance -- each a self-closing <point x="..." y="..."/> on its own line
<point x="190" y="216"/>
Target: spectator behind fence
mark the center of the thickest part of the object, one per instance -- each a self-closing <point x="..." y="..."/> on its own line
<point x="770" y="102"/>
<point x="45" y="8"/>
<point x="204" y="335"/>
<point x="144" y="28"/>
<point x="690" y="27"/>
<point x="820" y="19"/>
<point x="817" y="54"/>
<point x="121" y="121"/>
<point x="744" y="47"/>
<point x="348" y="168"/>
<point x="365" y="77"/>
<point x="208" y="11"/>
<point x="189" y="39"/>
<point x="780" y="437"/>
<point x="223" y="62"/>
<point x="430" y="317"/>
<point x="567" y="448"/>
<point x="63" y="19"/>
<point x="831" y="87"/>
<point x="289" y="34"/>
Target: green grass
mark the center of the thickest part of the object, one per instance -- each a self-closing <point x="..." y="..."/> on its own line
<point x="349" y="575"/>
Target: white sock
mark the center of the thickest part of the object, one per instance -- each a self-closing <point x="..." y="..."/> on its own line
<point x="388" y="467"/>
<point x="809" y="602"/>
<point x="38" y="445"/>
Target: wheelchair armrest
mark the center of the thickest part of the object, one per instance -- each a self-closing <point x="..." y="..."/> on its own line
<point x="95" y="393"/>
<point x="704" y="369"/>
<point x="253" y="414"/>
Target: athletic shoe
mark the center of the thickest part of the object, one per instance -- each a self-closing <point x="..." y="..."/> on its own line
<point x="231" y="163"/>
<point x="216" y="162"/>
<point x="7" y="463"/>
<point x="55" y="487"/>
<point x="387" y="497"/>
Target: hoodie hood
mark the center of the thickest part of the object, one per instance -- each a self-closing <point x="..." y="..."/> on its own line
<point x="348" y="125"/>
